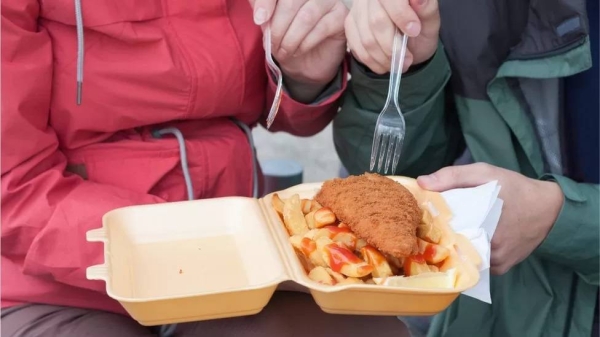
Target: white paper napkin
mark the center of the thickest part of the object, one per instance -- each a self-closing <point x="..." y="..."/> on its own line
<point x="476" y="212"/>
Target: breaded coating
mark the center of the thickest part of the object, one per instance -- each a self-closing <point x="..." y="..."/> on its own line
<point x="381" y="211"/>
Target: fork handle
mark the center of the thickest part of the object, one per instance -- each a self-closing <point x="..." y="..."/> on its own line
<point x="398" y="54"/>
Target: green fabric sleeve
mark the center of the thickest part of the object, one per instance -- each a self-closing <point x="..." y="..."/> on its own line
<point x="432" y="138"/>
<point x="574" y="239"/>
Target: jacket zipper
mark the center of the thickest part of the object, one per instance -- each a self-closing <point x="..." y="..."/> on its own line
<point x="557" y="51"/>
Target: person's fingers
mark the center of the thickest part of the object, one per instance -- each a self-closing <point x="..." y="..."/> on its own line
<point x="367" y="33"/>
<point x="263" y="10"/>
<point x="428" y="13"/>
<point x="425" y="9"/>
<point x="284" y="14"/>
<point x="382" y="26"/>
<point x="458" y="177"/>
<point x="355" y="45"/>
<point x="306" y="19"/>
<point x="403" y="16"/>
<point x="330" y="25"/>
<point x="352" y="37"/>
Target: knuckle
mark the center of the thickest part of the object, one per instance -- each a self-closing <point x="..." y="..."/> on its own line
<point x="285" y="48"/>
<point x="338" y="7"/>
<point x="338" y="18"/>
<point x="369" y="42"/>
<point x="280" y="56"/>
<point x="290" y="5"/>
<point x="308" y="14"/>
<point x="378" y="21"/>
<point x="324" y="27"/>
<point x="367" y="60"/>
<point x="276" y="37"/>
<point x="288" y="45"/>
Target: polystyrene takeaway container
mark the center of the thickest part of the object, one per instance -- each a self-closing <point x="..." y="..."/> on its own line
<point x="224" y="257"/>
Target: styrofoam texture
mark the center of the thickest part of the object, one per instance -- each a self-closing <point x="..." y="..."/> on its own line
<point x="225" y="257"/>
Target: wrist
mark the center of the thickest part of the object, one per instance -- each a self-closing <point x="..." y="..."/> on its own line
<point x="552" y="199"/>
<point x="305" y="90"/>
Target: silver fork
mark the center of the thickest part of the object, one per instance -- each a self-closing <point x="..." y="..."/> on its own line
<point x="276" y="71"/>
<point x="390" y="127"/>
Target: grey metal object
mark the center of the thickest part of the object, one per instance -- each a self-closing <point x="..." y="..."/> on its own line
<point x="280" y="174"/>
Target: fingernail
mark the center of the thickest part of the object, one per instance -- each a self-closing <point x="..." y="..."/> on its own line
<point x="413" y="29"/>
<point x="260" y="16"/>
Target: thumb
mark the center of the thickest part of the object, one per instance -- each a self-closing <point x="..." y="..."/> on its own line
<point x="263" y="10"/>
<point x="457" y="177"/>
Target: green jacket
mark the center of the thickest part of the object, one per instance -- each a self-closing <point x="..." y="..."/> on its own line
<point x="479" y="93"/>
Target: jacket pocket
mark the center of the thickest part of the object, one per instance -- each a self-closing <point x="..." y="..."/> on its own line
<point x="135" y="166"/>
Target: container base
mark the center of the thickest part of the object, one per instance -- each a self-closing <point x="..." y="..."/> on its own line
<point x="377" y="313"/>
<point x="200" y="318"/>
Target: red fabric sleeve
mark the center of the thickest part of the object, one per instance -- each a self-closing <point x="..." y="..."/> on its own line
<point x="303" y="119"/>
<point x="45" y="211"/>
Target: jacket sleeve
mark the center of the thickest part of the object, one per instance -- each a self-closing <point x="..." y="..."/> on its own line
<point x="433" y="137"/>
<point x="306" y="119"/>
<point x="46" y="212"/>
<point x="573" y="240"/>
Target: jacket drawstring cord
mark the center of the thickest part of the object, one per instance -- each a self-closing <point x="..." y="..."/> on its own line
<point x="80" y="48"/>
<point x="182" y="154"/>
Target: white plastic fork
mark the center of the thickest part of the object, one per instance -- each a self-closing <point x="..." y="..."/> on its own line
<point x="276" y="72"/>
<point x="390" y="127"/>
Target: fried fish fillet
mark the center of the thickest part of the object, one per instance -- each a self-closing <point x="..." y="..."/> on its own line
<point x="377" y="209"/>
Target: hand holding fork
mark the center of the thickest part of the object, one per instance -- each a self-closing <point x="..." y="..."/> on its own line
<point x="306" y="38"/>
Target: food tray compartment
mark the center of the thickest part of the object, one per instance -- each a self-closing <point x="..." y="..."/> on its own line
<point x="368" y="299"/>
<point x="188" y="261"/>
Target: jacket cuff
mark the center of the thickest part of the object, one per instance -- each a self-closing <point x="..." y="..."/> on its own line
<point x="573" y="239"/>
<point x="416" y="86"/>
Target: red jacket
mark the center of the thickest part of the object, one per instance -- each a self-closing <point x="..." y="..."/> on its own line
<point x="148" y="64"/>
